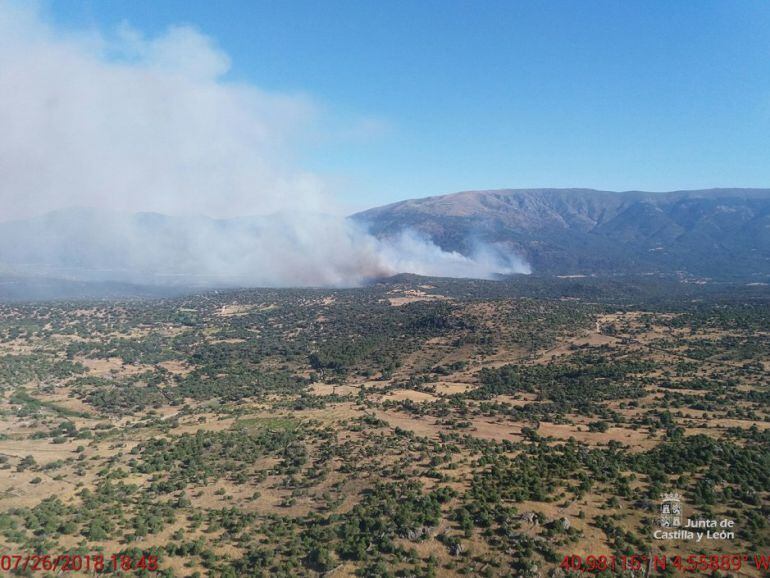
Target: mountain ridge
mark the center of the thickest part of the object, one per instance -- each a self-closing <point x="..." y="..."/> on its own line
<point x="718" y="232"/>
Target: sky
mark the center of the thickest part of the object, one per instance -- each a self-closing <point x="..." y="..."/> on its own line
<point x="416" y="98"/>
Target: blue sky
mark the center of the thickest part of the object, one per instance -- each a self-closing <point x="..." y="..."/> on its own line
<point x="423" y="98"/>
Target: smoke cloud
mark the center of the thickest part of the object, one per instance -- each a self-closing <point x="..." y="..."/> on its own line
<point x="121" y="122"/>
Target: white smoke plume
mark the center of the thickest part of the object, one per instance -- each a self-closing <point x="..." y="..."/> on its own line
<point x="415" y="253"/>
<point x="123" y="123"/>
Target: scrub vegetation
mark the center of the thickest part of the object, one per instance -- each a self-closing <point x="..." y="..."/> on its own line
<point x="418" y="427"/>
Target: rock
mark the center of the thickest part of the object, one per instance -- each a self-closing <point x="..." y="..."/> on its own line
<point x="416" y="534"/>
<point x="530" y="517"/>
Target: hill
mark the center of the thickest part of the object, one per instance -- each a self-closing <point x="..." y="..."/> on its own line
<point x="721" y="233"/>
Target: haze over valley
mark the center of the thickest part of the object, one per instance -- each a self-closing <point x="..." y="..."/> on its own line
<point x="721" y="234"/>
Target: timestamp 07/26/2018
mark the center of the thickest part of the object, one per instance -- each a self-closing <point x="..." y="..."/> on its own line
<point x="96" y="562"/>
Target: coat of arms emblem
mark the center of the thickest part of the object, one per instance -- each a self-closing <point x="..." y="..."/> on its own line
<point x="671" y="511"/>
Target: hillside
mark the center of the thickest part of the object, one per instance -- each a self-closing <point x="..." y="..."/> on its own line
<point x="716" y="233"/>
<point x="424" y="428"/>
